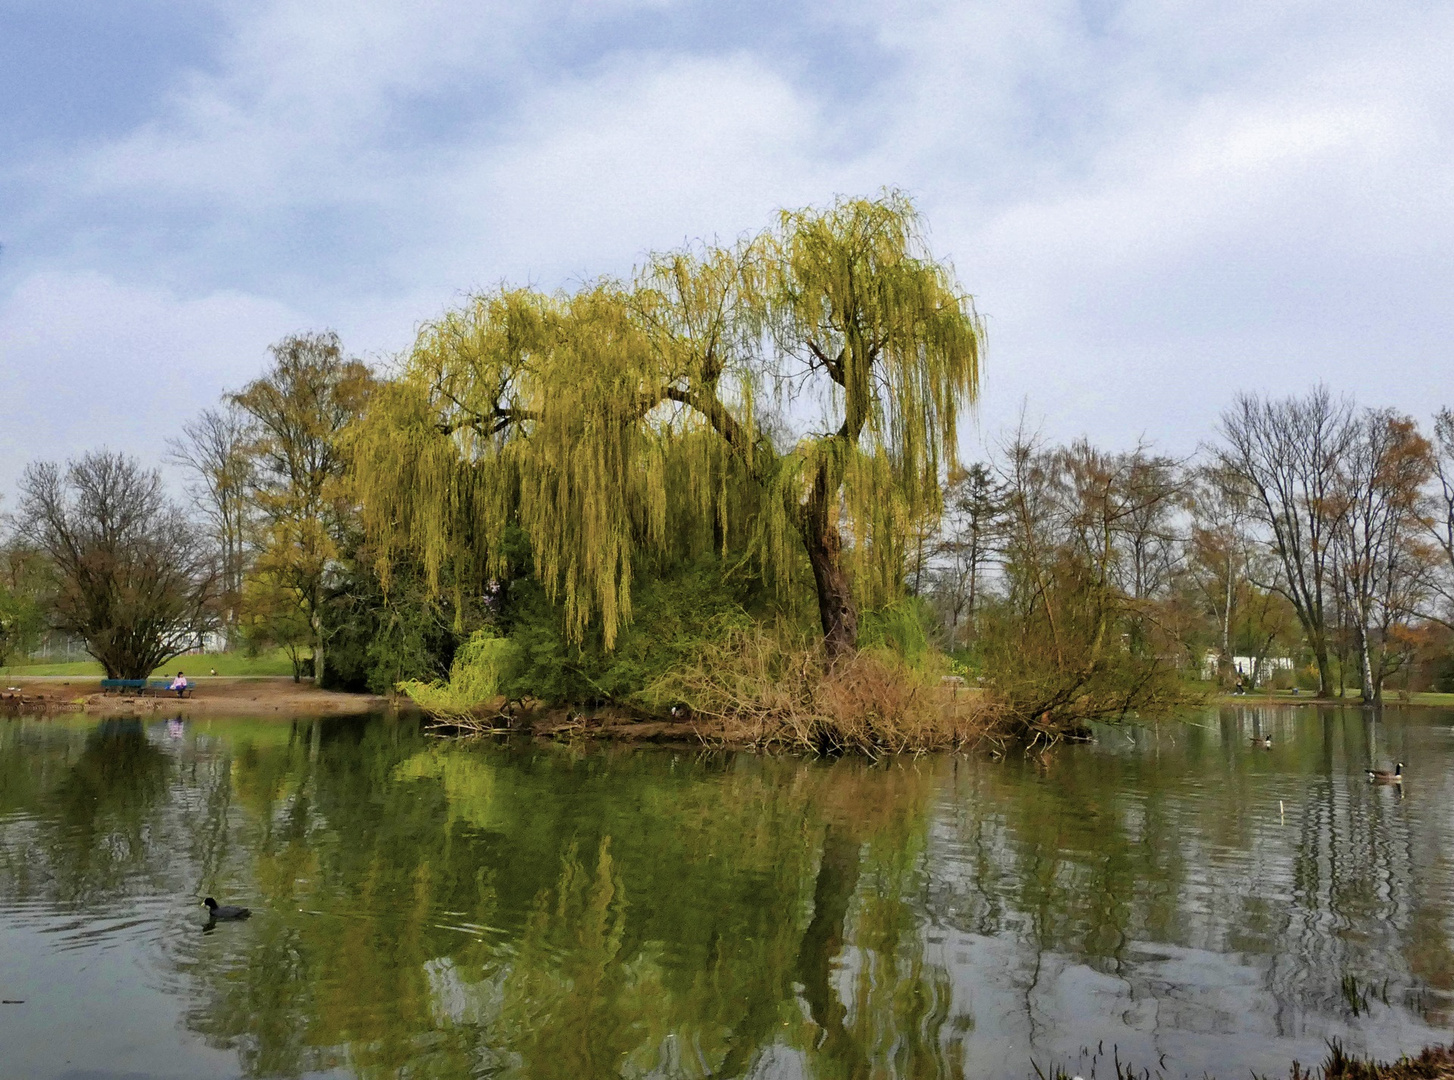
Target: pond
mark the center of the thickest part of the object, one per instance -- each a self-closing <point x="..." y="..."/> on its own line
<point x="440" y="910"/>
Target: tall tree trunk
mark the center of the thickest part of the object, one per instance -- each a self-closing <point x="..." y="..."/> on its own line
<point x="1365" y="666"/>
<point x="1227" y="618"/>
<point x="1325" y="673"/>
<point x="974" y="557"/>
<point x="836" y="609"/>
<point x="318" y="658"/>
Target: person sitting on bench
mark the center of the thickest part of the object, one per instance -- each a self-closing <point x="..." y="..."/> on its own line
<point x="179" y="684"/>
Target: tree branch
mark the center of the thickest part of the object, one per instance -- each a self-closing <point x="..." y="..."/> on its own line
<point x="834" y="366"/>
<point x="491" y="423"/>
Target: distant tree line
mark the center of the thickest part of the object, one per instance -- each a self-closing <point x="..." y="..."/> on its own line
<point x="593" y="487"/>
<point x="1305" y="527"/>
<point x="98" y="550"/>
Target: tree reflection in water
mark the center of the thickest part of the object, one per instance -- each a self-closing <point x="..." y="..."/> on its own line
<point x="690" y="921"/>
<point x="97" y="841"/>
<point x="428" y="909"/>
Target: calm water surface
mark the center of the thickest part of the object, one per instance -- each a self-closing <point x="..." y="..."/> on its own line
<point x="434" y="910"/>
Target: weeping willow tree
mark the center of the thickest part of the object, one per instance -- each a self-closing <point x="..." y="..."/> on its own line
<point x="795" y="394"/>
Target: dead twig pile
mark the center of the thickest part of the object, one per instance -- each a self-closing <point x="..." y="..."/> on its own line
<point x="752" y="690"/>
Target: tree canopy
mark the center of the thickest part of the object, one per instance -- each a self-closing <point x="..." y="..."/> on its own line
<point x="134" y="579"/>
<point x="794" y="396"/>
<point x="292" y="460"/>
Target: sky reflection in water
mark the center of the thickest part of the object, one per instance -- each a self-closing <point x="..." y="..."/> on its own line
<point x="540" y="911"/>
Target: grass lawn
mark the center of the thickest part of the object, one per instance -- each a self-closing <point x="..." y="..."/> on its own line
<point x="1422" y="699"/>
<point x="233" y="663"/>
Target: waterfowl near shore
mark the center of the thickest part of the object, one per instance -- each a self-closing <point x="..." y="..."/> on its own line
<point x="1382" y="776"/>
<point x="225" y="911"/>
<point x="1262" y="742"/>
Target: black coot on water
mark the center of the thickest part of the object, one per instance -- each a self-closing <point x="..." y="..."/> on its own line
<point x="225" y="911"/>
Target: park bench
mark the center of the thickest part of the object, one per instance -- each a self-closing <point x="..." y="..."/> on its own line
<point x="164" y="686"/>
<point x="141" y="686"/>
<point x="120" y="686"/>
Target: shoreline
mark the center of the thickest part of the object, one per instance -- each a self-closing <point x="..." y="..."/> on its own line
<point x="1416" y="701"/>
<point x="214" y="695"/>
<point x="262" y="695"/>
<point x="563" y="725"/>
<point x="252" y="696"/>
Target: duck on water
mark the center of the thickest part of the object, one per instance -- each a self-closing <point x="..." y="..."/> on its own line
<point x="225" y="911"/>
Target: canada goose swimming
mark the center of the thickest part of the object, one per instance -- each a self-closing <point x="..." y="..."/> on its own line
<point x="1263" y="742"/>
<point x="1380" y="776"/>
<point x="225" y="911"/>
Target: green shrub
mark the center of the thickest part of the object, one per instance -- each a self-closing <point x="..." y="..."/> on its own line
<point x="903" y="627"/>
<point x="483" y="668"/>
<point x="525" y="654"/>
<point x="376" y="640"/>
<point x="674" y="612"/>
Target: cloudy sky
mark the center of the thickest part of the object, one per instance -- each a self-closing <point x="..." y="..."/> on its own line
<point x="1155" y="203"/>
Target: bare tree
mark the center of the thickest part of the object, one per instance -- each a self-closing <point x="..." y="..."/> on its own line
<point x="213" y="450"/>
<point x="1032" y="528"/>
<point x="1382" y="475"/>
<point x="1288" y="452"/>
<point x="1441" y="518"/>
<point x="1149" y="530"/>
<point x="1119" y="511"/>
<point x="969" y="539"/>
<point x="1224" y="563"/>
<point x="134" y="578"/>
<point x="1219" y="547"/>
<point x="1067" y="638"/>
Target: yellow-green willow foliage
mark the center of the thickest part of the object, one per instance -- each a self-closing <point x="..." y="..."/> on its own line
<point x="479" y="672"/>
<point x="796" y="393"/>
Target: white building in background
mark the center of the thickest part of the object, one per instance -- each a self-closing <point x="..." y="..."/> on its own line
<point x="1248" y="666"/>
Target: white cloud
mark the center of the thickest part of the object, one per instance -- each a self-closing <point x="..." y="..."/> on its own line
<point x="1153" y="208"/>
<point x="1260" y="208"/>
<point x="89" y="361"/>
<point x="648" y="153"/>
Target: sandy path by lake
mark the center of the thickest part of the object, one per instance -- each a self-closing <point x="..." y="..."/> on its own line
<point x="212" y="696"/>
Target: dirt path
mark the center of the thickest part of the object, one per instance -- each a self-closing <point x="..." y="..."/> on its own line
<point x="213" y="696"/>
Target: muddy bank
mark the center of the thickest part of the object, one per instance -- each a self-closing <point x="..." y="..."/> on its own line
<point x="15" y="701"/>
<point x="609" y="723"/>
<point x="621" y="725"/>
<point x="212" y="696"/>
<point x="624" y="728"/>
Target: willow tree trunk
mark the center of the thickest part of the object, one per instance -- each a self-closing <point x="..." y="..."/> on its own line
<point x="836" y="610"/>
